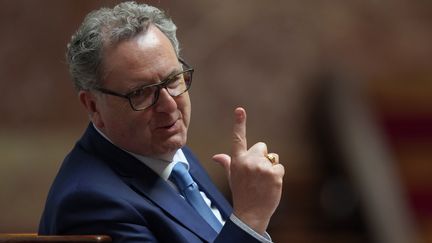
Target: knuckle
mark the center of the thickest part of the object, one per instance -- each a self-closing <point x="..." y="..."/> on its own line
<point x="264" y="169"/>
<point x="259" y="148"/>
<point x="279" y="182"/>
<point x="237" y="139"/>
<point x="280" y="169"/>
<point x="262" y="145"/>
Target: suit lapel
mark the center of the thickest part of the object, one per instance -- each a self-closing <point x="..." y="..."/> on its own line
<point x="162" y="195"/>
<point x="147" y="183"/>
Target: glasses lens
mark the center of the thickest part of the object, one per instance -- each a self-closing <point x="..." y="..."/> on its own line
<point x="179" y="84"/>
<point x="147" y="96"/>
<point x="143" y="98"/>
<point x="188" y="78"/>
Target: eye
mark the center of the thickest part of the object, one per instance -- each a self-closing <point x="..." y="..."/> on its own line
<point x="175" y="81"/>
<point x="142" y="92"/>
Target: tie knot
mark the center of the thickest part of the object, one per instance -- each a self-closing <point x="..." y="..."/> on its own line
<point x="180" y="176"/>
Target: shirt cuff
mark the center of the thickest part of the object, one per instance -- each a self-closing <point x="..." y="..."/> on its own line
<point x="262" y="238"/>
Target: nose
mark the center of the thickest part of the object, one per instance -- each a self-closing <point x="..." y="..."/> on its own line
<point x="165" y="103"/>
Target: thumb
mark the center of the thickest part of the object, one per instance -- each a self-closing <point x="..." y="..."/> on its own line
<point x="224" y="160"/>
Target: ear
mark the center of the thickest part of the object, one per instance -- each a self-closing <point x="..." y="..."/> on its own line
<point x="91" y="104"/>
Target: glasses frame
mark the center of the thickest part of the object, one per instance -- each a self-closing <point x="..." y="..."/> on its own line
<point x="159" y="86"/>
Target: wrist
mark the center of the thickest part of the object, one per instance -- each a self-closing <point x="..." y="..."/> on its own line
<point x="258" y="224"/>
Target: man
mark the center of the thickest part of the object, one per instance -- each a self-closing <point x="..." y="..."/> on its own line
<point x="122" y="177"/>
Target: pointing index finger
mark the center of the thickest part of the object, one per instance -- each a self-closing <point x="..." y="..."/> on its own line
<point x="239" y="144"/>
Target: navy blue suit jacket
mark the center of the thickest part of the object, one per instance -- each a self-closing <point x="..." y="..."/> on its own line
<point x="100" y="189"/>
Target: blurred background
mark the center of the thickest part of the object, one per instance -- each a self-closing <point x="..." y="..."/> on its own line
<point x="342" y="90"/>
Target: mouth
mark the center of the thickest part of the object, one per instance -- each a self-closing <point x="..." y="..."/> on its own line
<point x="169" y="126"/>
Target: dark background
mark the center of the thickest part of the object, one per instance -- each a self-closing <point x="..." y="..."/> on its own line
<point x="285" y="62"/>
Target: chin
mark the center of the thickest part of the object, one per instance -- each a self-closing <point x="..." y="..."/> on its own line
<point x="173" y="144"/>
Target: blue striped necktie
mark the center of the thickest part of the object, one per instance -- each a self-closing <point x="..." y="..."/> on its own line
<point x="189" y="189"/>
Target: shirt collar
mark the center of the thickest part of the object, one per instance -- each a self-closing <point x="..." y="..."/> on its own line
<point x="161" y="167"/>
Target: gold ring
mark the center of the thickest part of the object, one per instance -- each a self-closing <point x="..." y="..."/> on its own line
<point x="271" y="158"/>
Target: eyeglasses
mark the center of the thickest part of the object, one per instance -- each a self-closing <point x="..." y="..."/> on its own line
<point x="146" y="96"/>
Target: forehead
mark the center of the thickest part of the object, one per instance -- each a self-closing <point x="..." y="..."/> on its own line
<point x="148" y="57"/>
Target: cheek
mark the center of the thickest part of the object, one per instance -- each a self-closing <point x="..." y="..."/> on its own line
<point x="138" y="121"/>
<point x="126" y="123"/>
<point x="185" y="107"/>
<point x="133" y="132"/>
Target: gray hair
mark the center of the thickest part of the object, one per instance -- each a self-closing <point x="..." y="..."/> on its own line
<point x="107" y="26"/>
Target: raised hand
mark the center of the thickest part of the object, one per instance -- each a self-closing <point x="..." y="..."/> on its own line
<point x="256" y="183"/>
